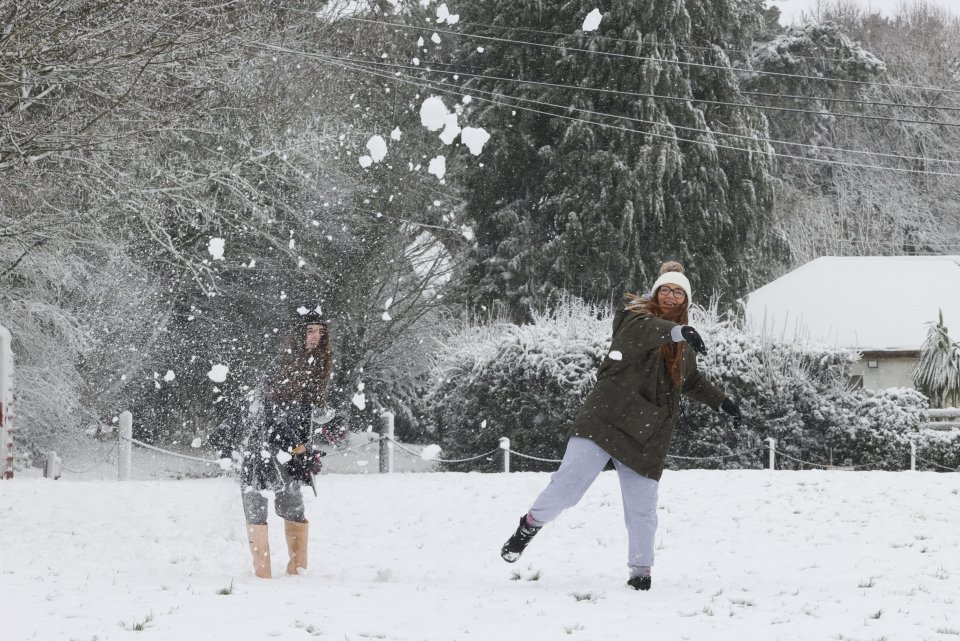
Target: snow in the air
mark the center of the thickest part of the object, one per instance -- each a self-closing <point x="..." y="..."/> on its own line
<point x="438" y="166"/>
<point x="218" y="373"/>
<point x="169" y="376"/>
<point x="444" y="15"/>
<point x="754" y="555"/>
<point x="435" y="38"/>
<point x="360" y="400"/>
<point x="395" y="134"/>
<point x="377" y="147"/>
<point x="474" y="138"/>
<point x="433" y="113"/>
<point x="615" y="355"/>
<point x="216" y="247"/>
<point x="430" y="452"/>
<point x="592" y="21"/>
<point x="365" y="161"/>
<point x="451" y="129"/>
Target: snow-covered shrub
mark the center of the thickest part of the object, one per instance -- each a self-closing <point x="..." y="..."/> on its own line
<point x="524" y="382"/>
<point x="794" y="392"/>
<point x="938" y="451"/>
<point x="878" y="436"/>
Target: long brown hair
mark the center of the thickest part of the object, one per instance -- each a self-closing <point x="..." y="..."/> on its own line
<point x="302" y="374"/>
<point x="671" y="352"/>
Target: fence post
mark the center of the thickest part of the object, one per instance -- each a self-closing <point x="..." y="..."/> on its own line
<point x="386" y="443"/>
<point x="913" y="456"/>
<point x="505" y="446"/>
<point x="772" y="443"/>
<point x="6" y="400"/>
<point x="51" y="468"/>
<point x="124" y="446"/>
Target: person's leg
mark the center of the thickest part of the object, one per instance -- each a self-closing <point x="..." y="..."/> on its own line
<point x="289" y="506"/>
<point x="255" y="513"/>
<point x="582" y="462"/>
<point x="640" y="515"/>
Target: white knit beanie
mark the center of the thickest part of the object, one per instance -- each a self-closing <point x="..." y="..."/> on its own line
<point x="673" y="278"/>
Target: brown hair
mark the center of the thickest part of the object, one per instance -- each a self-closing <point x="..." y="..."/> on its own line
<point x="302" y="374"/>
<point x="671" y="352"/>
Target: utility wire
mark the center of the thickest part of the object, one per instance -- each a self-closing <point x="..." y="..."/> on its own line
<point x="819" y="148"/>
<point x="339" y="62"/>
<point x="651" y="59"/>
<point x="872" y="103"/>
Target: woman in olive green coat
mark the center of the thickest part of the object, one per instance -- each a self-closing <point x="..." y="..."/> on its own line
<point x="629" y="417"/>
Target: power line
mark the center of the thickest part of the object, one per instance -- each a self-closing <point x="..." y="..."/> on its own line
<point x="398" y="76"/>
<point x="651" y="59"/>
<point x="346" y="63"/>
<point x="873" y="103"/>
<point x="650" y="122"/>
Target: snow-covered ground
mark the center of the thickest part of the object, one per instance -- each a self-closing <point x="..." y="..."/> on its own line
<point x="741" y="555"/>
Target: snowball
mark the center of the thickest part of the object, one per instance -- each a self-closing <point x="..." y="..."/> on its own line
<point x="430" y="452"/>
<point x="395" y="134"/>
<point x="386" y="316"/>
<point x="420" y="41"/>
<point x="215" y="247"/>
<point x="451" y="129"/>
<point x="365" y="161"/>
<point x="616" y="356"/>
<point x="474" y="138"/>
<point x="169" y="376"/>
<point x="377" y="147"/>
<point x="283" y="457"/>
<point x="360" y="400"/>
<point x="225" y="464"/>
<point x="218" y="373"/>
<point x="483" y="423"/>
<point x="195" y="443"/>
<point x="592" y="21"/>
<point x="416" y="62"/>
<point x="480" y="49"/>
<point x="443" y="15"/>
<point x="388" y="303"/>
<point x="435" y="38"/>
<point x="438" y="166"/>
<point x="302" y="310"/>
<point x="433" y="113"/>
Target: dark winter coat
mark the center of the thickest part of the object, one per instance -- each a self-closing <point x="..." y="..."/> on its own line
<point x="261" y="432"/>
<point x="632" y="410"/>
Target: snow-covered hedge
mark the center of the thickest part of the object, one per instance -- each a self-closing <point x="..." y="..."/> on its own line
<point x="524" y="382"/>
<point x="527" y="382"/>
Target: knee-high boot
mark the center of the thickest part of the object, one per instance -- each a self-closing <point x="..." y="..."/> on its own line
<point x="260" y="548"/>
<point x="296" y="545"/>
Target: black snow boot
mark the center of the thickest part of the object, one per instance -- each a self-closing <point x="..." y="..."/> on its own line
<point x="640" y="583"/>
<point x="515" y="545"/>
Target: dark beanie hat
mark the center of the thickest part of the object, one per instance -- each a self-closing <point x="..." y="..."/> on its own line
<point x="312" y="317"/>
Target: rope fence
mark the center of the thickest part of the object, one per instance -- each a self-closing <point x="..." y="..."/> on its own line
<point x="387" y="442"/>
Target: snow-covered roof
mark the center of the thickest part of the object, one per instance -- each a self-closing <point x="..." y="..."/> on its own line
<point x="870" y="303"/>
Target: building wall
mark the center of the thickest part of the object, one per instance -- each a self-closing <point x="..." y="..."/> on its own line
<point x="890" y="372"/>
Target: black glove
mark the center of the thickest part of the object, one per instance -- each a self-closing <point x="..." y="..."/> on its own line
<point x="731" y="408"/>
<point x="693" y="338"/>
<point x="303" y="467"/>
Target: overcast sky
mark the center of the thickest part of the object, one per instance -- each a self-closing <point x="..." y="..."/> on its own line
<point x="791" y="9"/>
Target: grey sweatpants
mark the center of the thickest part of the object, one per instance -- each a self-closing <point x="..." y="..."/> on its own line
<point x="288" y="501"/>
<point x="582" y="463"/>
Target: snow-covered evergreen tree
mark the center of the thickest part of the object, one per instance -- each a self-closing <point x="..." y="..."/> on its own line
<point x="588" y="203"/>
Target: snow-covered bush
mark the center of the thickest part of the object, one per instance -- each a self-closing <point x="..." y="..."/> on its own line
<point x="524" y="382"/>
<point x="938" y="451"/>
<point x="878" y="436"/>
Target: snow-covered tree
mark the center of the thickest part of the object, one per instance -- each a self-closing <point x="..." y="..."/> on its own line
<point x="937" y="371"/>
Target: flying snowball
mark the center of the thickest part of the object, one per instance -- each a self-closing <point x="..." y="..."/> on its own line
<point x="438" y="166"/>
<point x="395" y="134"/>
<point x="377" y="147"/>
<point x="430" y="452"/>
<point x="365" y="161"/>
<point x="616" y="356"/>
<point x="360" y="400"/>
<point x="218" y="373"/>
<point x="474" y="138"/>
<point x="215" y="247"/>
<point x="195" y="443"/>
<point x="433" y="113"/>
<point x="443" y="15"/>
<point x="169" y="376"/>
<point x="592" y="21"/>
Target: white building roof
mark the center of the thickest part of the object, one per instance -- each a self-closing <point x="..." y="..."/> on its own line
<point x="871" y="303"/>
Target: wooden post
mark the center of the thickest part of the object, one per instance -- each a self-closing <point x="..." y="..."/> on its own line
<point x="51" y="468"/>
<point x="125" y="446"/>
<point x="505" y="446"/>
<point x="386" y="443"/>
<point x="913" y="456"/>
<point x="6" y="400"/>
<point x="773" y="452"/>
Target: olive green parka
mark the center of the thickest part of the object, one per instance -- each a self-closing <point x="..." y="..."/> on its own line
<point x="632" y="410"/>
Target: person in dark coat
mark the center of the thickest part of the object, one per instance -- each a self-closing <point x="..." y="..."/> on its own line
<point x="629" y="418"/>
<point x="274" y="441"/>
